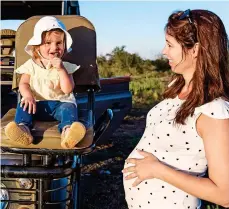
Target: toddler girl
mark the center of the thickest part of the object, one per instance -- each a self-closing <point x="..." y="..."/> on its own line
<point x="46" y="86"/>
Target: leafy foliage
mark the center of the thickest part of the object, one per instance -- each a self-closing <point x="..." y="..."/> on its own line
<point x="161" y="64"/>
<point x="148" y="77"/>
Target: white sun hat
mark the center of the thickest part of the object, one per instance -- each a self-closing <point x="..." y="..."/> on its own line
<point x="47" y="23"/>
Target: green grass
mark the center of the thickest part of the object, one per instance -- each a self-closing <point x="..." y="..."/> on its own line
<point x="207" y="205"/>
<point x="147" y="89"/>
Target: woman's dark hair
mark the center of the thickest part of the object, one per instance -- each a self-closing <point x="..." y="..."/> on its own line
<point x="211" y="77"/>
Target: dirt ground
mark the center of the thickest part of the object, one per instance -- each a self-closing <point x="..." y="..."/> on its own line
<point x="102" y="178"/>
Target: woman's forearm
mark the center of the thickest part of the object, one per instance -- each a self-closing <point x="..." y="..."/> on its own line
<point x="202" y="188"/>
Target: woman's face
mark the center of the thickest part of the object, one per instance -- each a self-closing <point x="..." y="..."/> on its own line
<point x="179" y="62"/>
<point x="53" y="45"/>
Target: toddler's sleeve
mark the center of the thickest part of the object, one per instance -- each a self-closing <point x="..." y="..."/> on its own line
<point x="218" y="109"/>
<point x="26" y="68"/>
<point x="71" y="68"/>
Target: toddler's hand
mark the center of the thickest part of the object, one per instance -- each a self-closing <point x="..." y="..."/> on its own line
<point x="30" y="103"/>
<point x="57" y="63"/>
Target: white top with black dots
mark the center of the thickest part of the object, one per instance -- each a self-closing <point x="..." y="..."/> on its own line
<point x="179" y="147"/>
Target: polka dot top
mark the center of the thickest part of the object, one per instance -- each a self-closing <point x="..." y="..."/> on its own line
<point x="178" y="146"/>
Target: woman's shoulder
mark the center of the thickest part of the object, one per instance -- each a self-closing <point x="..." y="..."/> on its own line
<point x="218" y="108"/>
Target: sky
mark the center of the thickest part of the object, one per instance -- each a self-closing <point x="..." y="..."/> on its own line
<point x="138" y="25"/>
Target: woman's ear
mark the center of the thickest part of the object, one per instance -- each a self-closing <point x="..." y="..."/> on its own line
<point x="195" y="50"/>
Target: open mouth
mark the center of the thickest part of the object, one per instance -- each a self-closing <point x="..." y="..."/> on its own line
<point x="55" y="54"/>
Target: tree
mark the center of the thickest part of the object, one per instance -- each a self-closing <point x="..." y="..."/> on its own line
<point x="161" y="64"/>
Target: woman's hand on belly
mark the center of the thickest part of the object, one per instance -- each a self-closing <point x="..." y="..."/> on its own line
<point x="143" y="168"/>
